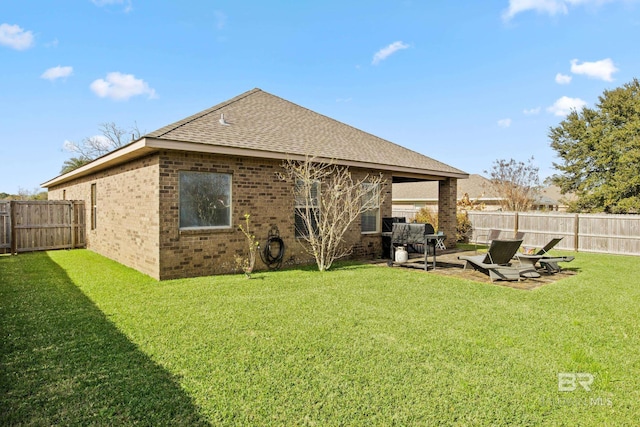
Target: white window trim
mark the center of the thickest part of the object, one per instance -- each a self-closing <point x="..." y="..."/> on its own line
<point x="209" y="227"/>
<point x="315" y="204"/>
<point x="376" y="208"/>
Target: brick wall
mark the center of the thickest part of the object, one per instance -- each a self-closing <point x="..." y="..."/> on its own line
<point x="127" y="212"/>
<point x="138" y="215"/>
<point x="447" y="198"/>
<point x="256" y="190"/>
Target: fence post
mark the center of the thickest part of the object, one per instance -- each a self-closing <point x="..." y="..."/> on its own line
<point x="576" y="232"/>
<point x="516" y="225"/>
<point x="72" y="226"/>
<point x="12" y="232"/>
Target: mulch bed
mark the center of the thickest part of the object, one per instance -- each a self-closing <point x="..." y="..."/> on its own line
<point x="448" y="264"/>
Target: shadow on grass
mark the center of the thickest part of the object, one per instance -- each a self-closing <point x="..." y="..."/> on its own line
<point x="62" y="361"/>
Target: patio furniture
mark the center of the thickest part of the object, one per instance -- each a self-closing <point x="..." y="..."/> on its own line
<point x="440" y="242"/>
<point x="491" y="235"/>
<point x="549" y="263"/>
<point x="496" y="263"/>
<point x="416" y="238"/>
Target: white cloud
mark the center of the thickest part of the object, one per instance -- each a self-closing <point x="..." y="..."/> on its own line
<point x="551" y="7"/>
<point x="15" y="37"/>
<point x="100" y="141"/>
<point x="57" y="73"/>
<point x="602" y="69"/>
<point x="120" y="86"/>
<point x="563" y="79"/>
<point x="52" y="43"/>
<point x="531" y="111"/>
<point x="565" y="105"/>
<point x="385" y="52"/>
<point x="126" y="3"/>
<point x="504" y="123"/>
<point x="220" y="19"/>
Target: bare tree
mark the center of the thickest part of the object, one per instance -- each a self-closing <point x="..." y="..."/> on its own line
<point x="35" y="194"/>
<point x="111" y="138"/>
<point x="516" y="183"/>
<point x="328" y="201"/>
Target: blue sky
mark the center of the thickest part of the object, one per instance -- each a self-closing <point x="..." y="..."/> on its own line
<point x="464" y="82"/>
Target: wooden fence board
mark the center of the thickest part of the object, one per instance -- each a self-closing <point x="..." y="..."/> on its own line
<point x="5" y="228"/>
<point x="601" y="233"/>
<point x="43" y="225"/>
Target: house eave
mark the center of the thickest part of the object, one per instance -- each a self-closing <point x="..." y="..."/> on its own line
<point x="148" y="145"/>
<point x="396" y="171"/>
<point x="131" y="151"/>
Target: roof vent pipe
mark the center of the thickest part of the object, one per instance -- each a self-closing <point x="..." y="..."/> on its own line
<point x="222" y="122"/>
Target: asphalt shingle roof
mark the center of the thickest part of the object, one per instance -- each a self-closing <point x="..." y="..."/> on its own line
<point x="258" y="120"/>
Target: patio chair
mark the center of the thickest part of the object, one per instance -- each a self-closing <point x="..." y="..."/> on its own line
<point x="549" y="263"/>
<point x="491" y="235"/>
<point x="496" y="263"/>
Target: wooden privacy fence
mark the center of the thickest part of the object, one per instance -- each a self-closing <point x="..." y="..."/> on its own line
<point x="602" y="233"/>
<point x="27" y="226"/>
<point x="5" y="228"/>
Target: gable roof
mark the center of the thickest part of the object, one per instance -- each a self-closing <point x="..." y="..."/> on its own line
<point x="258" y="120"/>
<point x="259" y="124"/>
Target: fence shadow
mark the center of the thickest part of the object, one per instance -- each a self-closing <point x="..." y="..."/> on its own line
<point x="63" y="362"/>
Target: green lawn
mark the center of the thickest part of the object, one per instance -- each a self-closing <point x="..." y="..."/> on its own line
<point x="88" y="341"/>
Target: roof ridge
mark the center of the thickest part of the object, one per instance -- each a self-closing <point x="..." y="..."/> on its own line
<point x="158" y="133"/>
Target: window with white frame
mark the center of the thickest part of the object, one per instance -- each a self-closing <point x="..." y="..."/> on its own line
<point x="94" y="207"/>
<point x="307" y="207"/>
<point x="205" y="200"/>
<point x="370" y="217"/>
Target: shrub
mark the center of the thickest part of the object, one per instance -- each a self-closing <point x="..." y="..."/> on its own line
<point x="247" y="264"/>
<point x="427" y="216"/>
<point x="463" y="227"/>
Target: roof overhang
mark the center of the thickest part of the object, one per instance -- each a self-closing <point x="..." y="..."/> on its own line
<point x="130" y="151"/>
<point x="149" y="145"/>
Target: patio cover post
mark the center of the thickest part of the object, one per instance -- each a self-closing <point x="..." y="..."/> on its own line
<point x="447" y="198"/>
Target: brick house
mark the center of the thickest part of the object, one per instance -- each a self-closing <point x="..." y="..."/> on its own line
<point x="141" y="199"/>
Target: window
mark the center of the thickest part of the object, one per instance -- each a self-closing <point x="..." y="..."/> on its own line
<point x="370" y="217"/>
<point x="205" y="200"/>
<point x="307" y="205"/>
<point x="94" y="207"/>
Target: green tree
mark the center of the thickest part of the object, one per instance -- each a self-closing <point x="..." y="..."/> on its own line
<point x="25" y="194"/>
<point x="600" y="152"/>
<point x="73" y="163"/>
